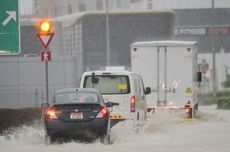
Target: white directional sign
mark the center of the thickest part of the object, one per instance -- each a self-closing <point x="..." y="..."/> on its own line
<point x="9" y="27"/>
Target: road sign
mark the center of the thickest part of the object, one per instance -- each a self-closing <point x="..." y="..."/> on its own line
<point x="9" y="27"/>
<point x="46" y="56"/>
<point x="45" y="39"/>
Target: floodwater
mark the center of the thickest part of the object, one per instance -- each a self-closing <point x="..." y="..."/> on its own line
<point x="208" y="133"/>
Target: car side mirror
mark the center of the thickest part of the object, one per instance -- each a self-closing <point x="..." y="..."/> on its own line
<point x="111" y="104"/>
<point x="94" y="79"/>
<point x="147" y="90"/>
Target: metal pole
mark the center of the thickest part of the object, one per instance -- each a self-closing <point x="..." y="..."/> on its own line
<point x="107" y="34"/>
<point x="158" y="75"/>
<point x="109" y="130"/>
<point x="19" y="91"/>
<point x="213" y="52"/>
<point x="36" y="97"/>
<point x="47" y="81"/>
<point x="165" y="91"/>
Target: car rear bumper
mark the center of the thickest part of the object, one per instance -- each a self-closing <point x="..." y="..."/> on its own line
<point x="94" y="128"/>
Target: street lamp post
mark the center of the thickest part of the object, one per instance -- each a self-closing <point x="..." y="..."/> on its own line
<point x="213" y="51"/>
<point x="107" y="33"/>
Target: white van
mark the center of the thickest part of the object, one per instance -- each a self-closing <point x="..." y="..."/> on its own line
<point x="120" y="86"/>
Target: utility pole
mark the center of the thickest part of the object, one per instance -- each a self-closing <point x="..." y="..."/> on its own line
<point x="213" y="51"/>
<point x="107" y="33"/>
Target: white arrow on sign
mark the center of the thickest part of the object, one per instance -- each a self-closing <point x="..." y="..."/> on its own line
<point x="12" y="15"/>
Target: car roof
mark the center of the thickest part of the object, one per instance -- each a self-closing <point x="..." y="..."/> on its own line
<point x="77" y="89"/>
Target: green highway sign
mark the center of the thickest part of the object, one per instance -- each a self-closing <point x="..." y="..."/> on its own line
<point x="9" y="27"/>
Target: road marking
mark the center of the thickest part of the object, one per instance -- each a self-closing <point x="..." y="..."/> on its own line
<point x="182" y="119"/>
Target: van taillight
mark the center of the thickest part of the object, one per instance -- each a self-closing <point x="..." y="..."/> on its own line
<point x="51" y="114"/>
<point x="132" y="103"/>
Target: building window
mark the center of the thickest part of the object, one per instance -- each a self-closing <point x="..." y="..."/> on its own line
<point x="81" y="8"/>
<point x="99" y="5"/>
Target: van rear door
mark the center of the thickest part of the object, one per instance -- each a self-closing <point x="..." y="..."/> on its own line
<point x="113" y="87"/>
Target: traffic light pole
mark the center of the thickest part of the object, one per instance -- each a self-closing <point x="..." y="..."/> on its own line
<point x="47" y="80"/>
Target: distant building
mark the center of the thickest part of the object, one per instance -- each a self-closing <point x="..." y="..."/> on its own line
<point x="85" y="34"/>
<point x="177" y="4"/>
<point x="196" y="24"/>
<point x="64" y="7"/>
<point x="56" y="8"/>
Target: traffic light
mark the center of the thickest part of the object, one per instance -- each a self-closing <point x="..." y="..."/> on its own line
<point x="45" y="27"/>
<point x="45" y="32"/>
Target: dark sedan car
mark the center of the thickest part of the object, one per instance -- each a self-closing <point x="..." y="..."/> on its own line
<point x="76" y="113"/>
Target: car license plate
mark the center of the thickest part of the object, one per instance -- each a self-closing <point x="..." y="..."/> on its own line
<point x="76" y="115"/>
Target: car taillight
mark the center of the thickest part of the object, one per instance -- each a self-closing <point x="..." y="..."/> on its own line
<point x="132" y="103"/>
<point x="187" y="110"/>
<point x="51" y="114"/>
<point x="103" y="113"/>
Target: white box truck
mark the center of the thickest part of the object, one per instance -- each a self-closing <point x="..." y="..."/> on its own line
<point x="170" y="69"/>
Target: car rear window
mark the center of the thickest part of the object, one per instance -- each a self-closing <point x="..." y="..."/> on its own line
<point x="108" y="84"/>
<point x="76" y="97"/>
